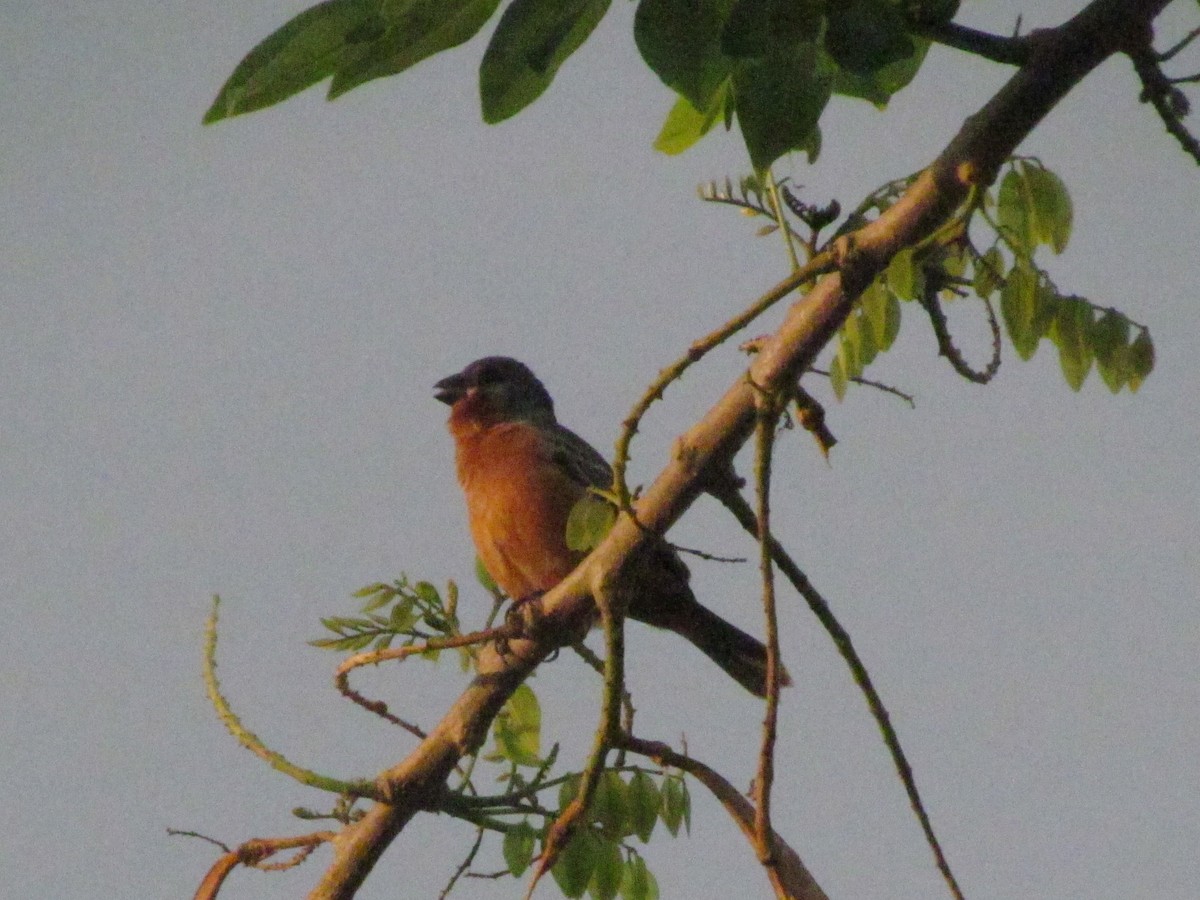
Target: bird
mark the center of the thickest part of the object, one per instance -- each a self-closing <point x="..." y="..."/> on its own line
<point x="522" y="472"/>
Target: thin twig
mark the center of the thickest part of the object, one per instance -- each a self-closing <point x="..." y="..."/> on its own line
<point x="781" y="219"/>
<point x="1168" y="101"/>
<point x="1009" y="50"/>
<point x="819" y="264"/>
<point x="175" y="832"/>
<point x="341" y="677"/>
<point x="464" y="865"/>
<point x="726" y="492"/>
<point x="584" y="652"/>
<point x="612" y="617"/>
<point x="1168" y="54"/>
<point x="878" y="385"/>
<point x="767" y="415"/>
<point x="941" y="330"/>
<point x="252" y="742"/>
<point x="253" y="852"/>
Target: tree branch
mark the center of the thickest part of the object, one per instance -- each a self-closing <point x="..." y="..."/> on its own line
<point x="1058" y="59"/>
<point x="1009" y="50"/>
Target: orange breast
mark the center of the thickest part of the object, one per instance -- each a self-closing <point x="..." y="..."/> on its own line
<point x="518" y="501"/>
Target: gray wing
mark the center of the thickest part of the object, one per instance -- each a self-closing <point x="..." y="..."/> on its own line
<point x="581" y="462"/>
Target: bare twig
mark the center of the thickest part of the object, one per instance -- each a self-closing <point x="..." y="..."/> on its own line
<point x="767" y="417"/>
<point x="726" y="492"/>
<point x="253" y="852"/>
<point x="251" y="741"/>
<point x="464" y="865"/>
<point x="1170" y="53"/>
<point x="819" y="264"/>
<point x="341" y="677"/>
<point x="941" y="329"/>
<point x="1168" y="101"/>
<point x="878" y="385"/>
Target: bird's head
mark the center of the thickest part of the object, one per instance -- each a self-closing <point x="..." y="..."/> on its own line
<point x="496" y="389"/>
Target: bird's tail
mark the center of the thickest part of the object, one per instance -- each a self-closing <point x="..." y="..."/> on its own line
<point x="742" y="656"/>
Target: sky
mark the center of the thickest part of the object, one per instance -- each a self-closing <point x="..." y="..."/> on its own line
<point x="217" y="348"/>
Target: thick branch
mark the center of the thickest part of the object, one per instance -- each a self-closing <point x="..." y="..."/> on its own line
<point x="1058" y="59"/>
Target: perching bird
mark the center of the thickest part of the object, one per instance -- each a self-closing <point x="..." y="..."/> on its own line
<point x="522" y="473"/>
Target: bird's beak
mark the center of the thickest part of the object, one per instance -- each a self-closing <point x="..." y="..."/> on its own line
<point x="450" y="390"/>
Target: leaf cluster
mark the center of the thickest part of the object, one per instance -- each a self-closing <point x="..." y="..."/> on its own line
<point x="628" y="803"/>
<point x="774" y="64"/>
<point x="598" y="860"/>
<point x="405" y="610"/>
<point x="770" y="64"/>
<point x="988" y="251"/>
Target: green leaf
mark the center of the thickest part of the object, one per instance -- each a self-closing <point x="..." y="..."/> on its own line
<point x="1019" y="308"/>
<point x="868" y="349"/>
<point x="379" y="600"/>
<point x="902" y="275"/>
<point x="685" y="125"/>
<point x="1071" y="331"/>
<point x="837" y="376"/>
<point x="589" y="521"/>
<point x="607" y="871"/>
<point x="304" y="51"/>
<point x="485" y="578"/>
<point x="687" y="806"/>
<point x="933" y="11"/>
<point x="779" y="101"/>
<point x="643" y="802"/>
<point x="1110" y="339"/>
<point x="412" y="30"/>
<point x="680" y="40"/>
<point x="850" y="346"/>
<point x="573" y="869"/>
<point x="674" y="799"/>
<point x="873" y="303"/>
<point x="518" y="728"/>
<point x="1014" y="212"/>
<point x="989" y="273"/>
<point x="568" y="790"/>
<point x="891" y="322"/>
<point x="402" y="617"/>
<point x="533" y="38"/>
<point x="1051" y="205"/>
<point x="427" y="593"/>
<point x="877" y="87"/>
<point x="638" y="882"/>
<point x="371" y="590"/>
<point x="953" y="261"/>
<point x="863" y="36"/>
<point x="518" y="846"/>
<point x="383" y="642"/>
<point x="1140" y="360"/>
<point x="610" y="806"/>
<point x="761" y="27"/>
<point x="336" y="624"/>
<point x="812" y="145"/>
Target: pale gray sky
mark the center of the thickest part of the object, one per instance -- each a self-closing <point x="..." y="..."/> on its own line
<point x="216" y="351"/>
